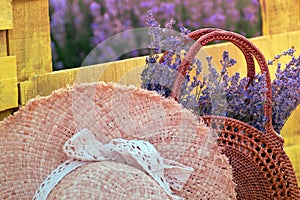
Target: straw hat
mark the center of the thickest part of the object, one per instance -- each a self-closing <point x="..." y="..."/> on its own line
<point x="34" y="141"/>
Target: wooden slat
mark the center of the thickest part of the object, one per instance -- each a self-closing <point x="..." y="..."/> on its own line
<point x="3" y="43"/>
<point x="8" y="67"/>
<point x="29" y="40"/>
<point x="8" y="83"/>
<point x="44" y="84"/>
<point x="291" y="130"/>
<point x="291" y="134"/>
<point x="124" y="72"/>
<point x="270" y="45"/>
<point x="280" y="16"/>
<point x="8" y="94"/>
<point x="6" y="16"/>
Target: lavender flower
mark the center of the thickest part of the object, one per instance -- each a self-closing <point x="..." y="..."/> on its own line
<point x="77" y="26"/>
<point x="160" y="76"/>
<point x="285" y="89"/>
<point x="219" y="93"/>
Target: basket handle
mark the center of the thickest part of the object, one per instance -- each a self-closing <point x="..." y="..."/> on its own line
<point x="195" y="35"/>
<point x="240" y="41"/>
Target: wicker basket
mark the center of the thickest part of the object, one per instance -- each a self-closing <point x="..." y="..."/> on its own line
<point x="261" y="168"/>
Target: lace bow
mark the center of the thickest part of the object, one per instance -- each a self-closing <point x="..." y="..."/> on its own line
<point x="83" y="148"/>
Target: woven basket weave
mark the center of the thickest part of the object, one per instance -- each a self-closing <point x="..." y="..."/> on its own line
<point x="261" y="168"/>
<point x="31" y="145"/>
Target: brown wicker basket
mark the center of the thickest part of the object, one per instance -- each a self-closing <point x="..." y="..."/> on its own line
<point x="261" y="168"/>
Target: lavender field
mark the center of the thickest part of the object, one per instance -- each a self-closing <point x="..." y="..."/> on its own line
<point x="77" y="26"/>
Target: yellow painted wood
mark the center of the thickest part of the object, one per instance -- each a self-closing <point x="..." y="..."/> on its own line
<point x="291" y="130"/>
<point x="124" y="72"/>
<point x="128" y="71"/>
<point x="293" y="153"/>
<point x="3" y="43"/>
<point x="8" y="94"/>
<point x="270" y="45"/>
<point x="6" y="16"/>
<point x="29" y="40"/>
<point x="8" y="83"/>
<point x="280" y="16"/>
<point x="8" y="67"/>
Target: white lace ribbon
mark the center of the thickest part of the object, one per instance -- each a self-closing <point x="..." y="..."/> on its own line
<point x="83" y="148"/>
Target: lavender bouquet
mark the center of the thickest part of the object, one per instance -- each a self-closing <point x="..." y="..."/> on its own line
<point x="219" y="93"/>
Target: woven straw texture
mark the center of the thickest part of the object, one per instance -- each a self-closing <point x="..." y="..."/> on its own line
<point x="118" y="181"/>
<point x="261" y="168"/>
<point x="31" y="144"/>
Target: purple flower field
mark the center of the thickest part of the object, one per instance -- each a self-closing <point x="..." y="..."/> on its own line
<point x="77" y="26"/>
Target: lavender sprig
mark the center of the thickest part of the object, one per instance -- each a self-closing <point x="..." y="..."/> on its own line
<point x="160" y="76"/>
<point x="285" y="89"/>
<point x="219" y="93"/>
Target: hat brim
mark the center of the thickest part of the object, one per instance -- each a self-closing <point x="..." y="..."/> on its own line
<point x="31" y="141"/>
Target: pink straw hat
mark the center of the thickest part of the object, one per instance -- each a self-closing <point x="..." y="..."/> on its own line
<point x="105" y="141"/>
